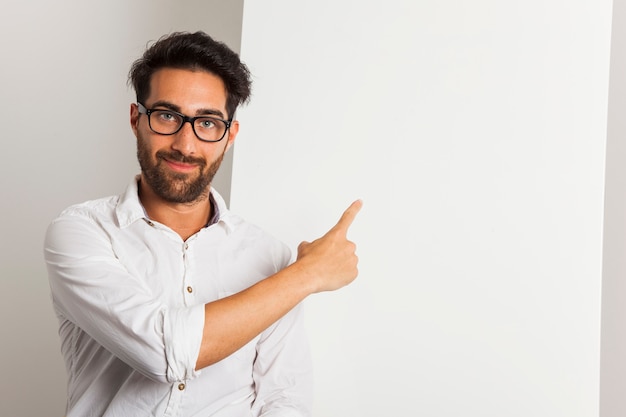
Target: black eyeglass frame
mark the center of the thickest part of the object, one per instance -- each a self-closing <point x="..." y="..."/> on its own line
<point x="144" y="110"/>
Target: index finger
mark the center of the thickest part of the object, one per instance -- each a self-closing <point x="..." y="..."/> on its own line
<point x="348" y="216"/>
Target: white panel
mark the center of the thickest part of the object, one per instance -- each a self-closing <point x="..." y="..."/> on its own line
<point x="475" y="134"/>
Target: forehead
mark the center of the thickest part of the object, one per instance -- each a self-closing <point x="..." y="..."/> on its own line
<point x="188" y="89"/>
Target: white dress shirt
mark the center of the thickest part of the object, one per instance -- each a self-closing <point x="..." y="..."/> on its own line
<point x="129" y="294"/>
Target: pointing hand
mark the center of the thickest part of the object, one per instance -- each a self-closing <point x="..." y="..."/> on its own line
<point x="331" y="261"/>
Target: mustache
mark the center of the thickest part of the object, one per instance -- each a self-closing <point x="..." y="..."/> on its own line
<point x="179" y="157"/>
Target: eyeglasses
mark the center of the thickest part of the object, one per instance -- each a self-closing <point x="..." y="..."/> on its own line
<point x="169" y="122"/>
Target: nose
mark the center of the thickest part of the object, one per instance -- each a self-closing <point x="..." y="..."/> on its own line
<point x="185" y="140"/>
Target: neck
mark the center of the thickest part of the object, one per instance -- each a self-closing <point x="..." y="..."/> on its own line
<point x="186" y="219"/>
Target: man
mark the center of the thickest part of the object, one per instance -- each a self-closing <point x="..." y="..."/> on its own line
<point x="168" y="303"/>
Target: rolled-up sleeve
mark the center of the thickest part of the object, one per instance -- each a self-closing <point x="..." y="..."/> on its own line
<point x="92" y="289"/>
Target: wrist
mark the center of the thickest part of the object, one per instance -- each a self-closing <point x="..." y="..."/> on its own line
<point x="302" y="276"/>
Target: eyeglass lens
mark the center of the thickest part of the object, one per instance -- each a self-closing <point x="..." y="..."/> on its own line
<point x="206" y="128"/>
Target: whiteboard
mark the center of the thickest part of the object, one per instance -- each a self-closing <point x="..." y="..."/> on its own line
<point x="475" y="134"/>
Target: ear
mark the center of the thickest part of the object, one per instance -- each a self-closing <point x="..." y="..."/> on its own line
<point x="232" y="134"/>
<point x="134" y="117"/>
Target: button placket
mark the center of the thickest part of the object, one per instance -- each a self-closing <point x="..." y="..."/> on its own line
<point x="188" y="288"/>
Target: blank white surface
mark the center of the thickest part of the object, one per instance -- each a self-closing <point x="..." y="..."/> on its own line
<point x="475" y="134"/>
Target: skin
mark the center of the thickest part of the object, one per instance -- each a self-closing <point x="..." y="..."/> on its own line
<point x="192" y="93"/>
<point x="325" y="264"/>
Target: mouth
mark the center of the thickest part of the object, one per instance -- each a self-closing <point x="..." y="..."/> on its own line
<point x="179" y="163"/>
<point x="182" y="167"/>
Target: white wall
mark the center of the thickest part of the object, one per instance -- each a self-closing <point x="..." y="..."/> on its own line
<point x="475" y="133"/>
<point x="67" y="139"/>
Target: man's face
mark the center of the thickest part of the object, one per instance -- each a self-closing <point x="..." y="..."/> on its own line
<point x="179" y="168"/>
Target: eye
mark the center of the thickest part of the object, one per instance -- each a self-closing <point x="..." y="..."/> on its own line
<point x="166" y="116"/>
<point x="206" y="123"/>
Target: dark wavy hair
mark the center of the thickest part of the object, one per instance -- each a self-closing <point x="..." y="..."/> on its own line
<point x="193" y="51"/>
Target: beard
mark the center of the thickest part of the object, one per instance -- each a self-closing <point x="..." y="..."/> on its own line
<point x="176" y="187"/>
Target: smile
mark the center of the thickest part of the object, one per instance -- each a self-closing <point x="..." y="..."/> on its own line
<point x="180" y="166"/>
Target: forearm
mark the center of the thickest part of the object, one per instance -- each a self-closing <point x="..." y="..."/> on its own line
<point x="233" y="321"/>
<point x="325" y="264"/>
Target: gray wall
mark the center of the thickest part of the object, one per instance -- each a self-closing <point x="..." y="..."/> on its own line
<point x="613" y="369"/>
<point x="67" y="139"/>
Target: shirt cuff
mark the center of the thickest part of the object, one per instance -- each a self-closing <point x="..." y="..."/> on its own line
<point x="182" y="333"/>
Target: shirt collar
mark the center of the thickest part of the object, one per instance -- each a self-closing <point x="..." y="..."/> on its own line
<point x="129" y="208"/>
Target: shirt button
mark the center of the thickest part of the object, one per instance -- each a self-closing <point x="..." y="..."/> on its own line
<point x="189" y="290"/>
<point x="181" y="386"/>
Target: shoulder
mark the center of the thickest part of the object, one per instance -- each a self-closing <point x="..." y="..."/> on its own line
<point x="91" y="208"/>
<point x="80" y="228"/>
<point x="249" y="237"/>
<point x="102" y="209"/>
<point x="90" y="217"/>
<point x="119" y="210"/>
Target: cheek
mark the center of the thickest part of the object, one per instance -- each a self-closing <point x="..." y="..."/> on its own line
<point x="212" y="151"/>
<point x="150" y="144"/>
<point x="145" y="149"/>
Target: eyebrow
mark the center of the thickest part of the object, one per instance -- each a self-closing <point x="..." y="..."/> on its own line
<point x="199" y="112"/>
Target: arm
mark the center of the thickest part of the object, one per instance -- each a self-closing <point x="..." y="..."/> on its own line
<point x="95" y="292"/>
<point x="92" y="289"/>
<point x="325" y="264"/>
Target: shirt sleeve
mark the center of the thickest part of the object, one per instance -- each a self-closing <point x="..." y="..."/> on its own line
<point x="282" y="371"/>
<point x="94" y="291"/>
